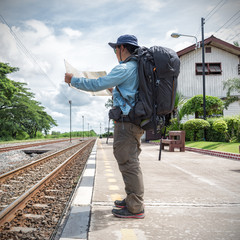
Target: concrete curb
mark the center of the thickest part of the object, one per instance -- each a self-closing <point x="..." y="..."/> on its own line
<point x="233" y="156"/>
<point x="77" y="222"/>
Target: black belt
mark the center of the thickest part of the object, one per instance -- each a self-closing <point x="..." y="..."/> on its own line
<point x="124" y="118"/>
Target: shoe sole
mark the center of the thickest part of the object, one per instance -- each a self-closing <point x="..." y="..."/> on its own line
<point x="138" y="216"/>
<point x="118" y="206"/>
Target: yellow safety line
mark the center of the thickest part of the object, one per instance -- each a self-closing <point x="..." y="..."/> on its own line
<point x="109" y="173"/>
<point x="128" y="234"/>
<point x="111" y="180"/>
<point x="113" y="187"/>
<point x="116" y="196"/>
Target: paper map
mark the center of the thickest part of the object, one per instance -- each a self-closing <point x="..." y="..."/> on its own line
<point x="76" y="73"/>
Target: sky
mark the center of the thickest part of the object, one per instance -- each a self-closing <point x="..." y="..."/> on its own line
<point x="37" y="35"/>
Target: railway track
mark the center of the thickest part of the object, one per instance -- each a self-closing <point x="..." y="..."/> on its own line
<point x="11" y="148"/>
<point x="33" y="198"/>
<point x="39" y="162"/>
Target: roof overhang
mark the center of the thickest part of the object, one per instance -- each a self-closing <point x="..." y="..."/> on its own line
<point x="215" y="42"/>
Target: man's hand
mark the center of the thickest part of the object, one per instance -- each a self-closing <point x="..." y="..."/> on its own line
<point x="110" y="90"/>
<point x="68" y="77"/>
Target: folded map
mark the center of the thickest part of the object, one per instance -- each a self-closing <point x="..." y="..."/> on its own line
<point x="85" y="74"/>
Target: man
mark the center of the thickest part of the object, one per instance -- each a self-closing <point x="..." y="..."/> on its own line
<point x="126" y="146"/>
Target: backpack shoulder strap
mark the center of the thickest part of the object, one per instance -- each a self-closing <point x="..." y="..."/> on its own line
<point x="124" y="97"/>
<point x="131" y="57"/>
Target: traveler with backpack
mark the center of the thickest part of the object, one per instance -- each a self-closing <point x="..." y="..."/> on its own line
<point x="126" y="146"/>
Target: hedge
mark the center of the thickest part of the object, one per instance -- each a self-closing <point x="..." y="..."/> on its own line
<point x="195" y="128"/>
<point x="223" y="129"/>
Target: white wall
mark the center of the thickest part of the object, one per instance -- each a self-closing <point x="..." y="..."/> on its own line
<point x="233" y="109"/>
<point x="190" y="84"/>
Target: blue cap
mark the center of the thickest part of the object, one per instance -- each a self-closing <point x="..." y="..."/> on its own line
<point x="125" y="39"/>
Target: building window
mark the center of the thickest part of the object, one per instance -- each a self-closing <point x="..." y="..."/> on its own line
<point x="238" y="69"/>
<point x="215" y="68"/>
<point x="208" y="50"/>
<point x="210" y="68"/>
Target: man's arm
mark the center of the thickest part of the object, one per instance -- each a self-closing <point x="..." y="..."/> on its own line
<point x="114" y="78"/>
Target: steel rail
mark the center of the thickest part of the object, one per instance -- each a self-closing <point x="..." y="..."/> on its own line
<point x="10" y="148"/>
<point x="7" y="214"/>
<point x="6" y="175"/>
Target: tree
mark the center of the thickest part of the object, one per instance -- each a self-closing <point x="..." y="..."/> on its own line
<point x="232" y="85"/>
<point x="7" y="87"/>
<point x="178" y="104"/>
<point x="109" y="103"/>
<point x="194" y="105"/>
<point x="19" y="112"/>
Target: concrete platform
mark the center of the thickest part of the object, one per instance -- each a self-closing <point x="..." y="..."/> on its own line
<point x="187" y="196"/>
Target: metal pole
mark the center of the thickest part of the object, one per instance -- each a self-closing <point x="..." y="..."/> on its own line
<point x="70" y="102"/>
<point x="203" y="73"/>
<point x="83" y="126"/>
<point x="108" y="130"/>
<point x="160" y="149"/>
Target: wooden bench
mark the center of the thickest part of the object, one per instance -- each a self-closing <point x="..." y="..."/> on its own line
<point x="176" y="140"/>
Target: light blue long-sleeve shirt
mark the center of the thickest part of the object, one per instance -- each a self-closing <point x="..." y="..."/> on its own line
<point x="124" y="75"/>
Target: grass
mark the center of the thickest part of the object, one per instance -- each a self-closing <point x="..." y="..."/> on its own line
<point x="21" y="141"/>
<point x="217" y="146"/>
<point x="29" y="140"/>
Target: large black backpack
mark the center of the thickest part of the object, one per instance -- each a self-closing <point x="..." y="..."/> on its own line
<point x="158" y="70"/>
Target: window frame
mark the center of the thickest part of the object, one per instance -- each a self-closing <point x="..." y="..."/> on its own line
<point x="208" y="67"/>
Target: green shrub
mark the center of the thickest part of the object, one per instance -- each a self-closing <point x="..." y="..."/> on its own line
<point x="5" y="136"/>
<point x="107" y="135"/>
<point x="191" y="135"/>
<point x="220" y="126"/>
<point x="196" y="124"/>
<point x="213" y="135"/>
<point x="21" y="135"/>
<point x="174" y="125"/>
<point x="223" y="129"/>
<point x="233" y="124"/>
<point x="195" y="129"/>
<point x="39" y="135"/>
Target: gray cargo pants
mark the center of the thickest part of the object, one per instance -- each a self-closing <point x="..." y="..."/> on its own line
<point x="126" y="149"/>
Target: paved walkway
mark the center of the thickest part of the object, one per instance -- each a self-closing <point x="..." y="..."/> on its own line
<point x="187" y="196"/>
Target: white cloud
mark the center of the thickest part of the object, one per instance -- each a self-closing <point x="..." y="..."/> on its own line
<point x="152" y="5"/>
<point x="34" y="30"/>
<point x="72" y="33"/>
<point x="56" y="115"/>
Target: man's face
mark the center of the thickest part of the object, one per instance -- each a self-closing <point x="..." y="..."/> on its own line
<point x="118" y="53"/>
